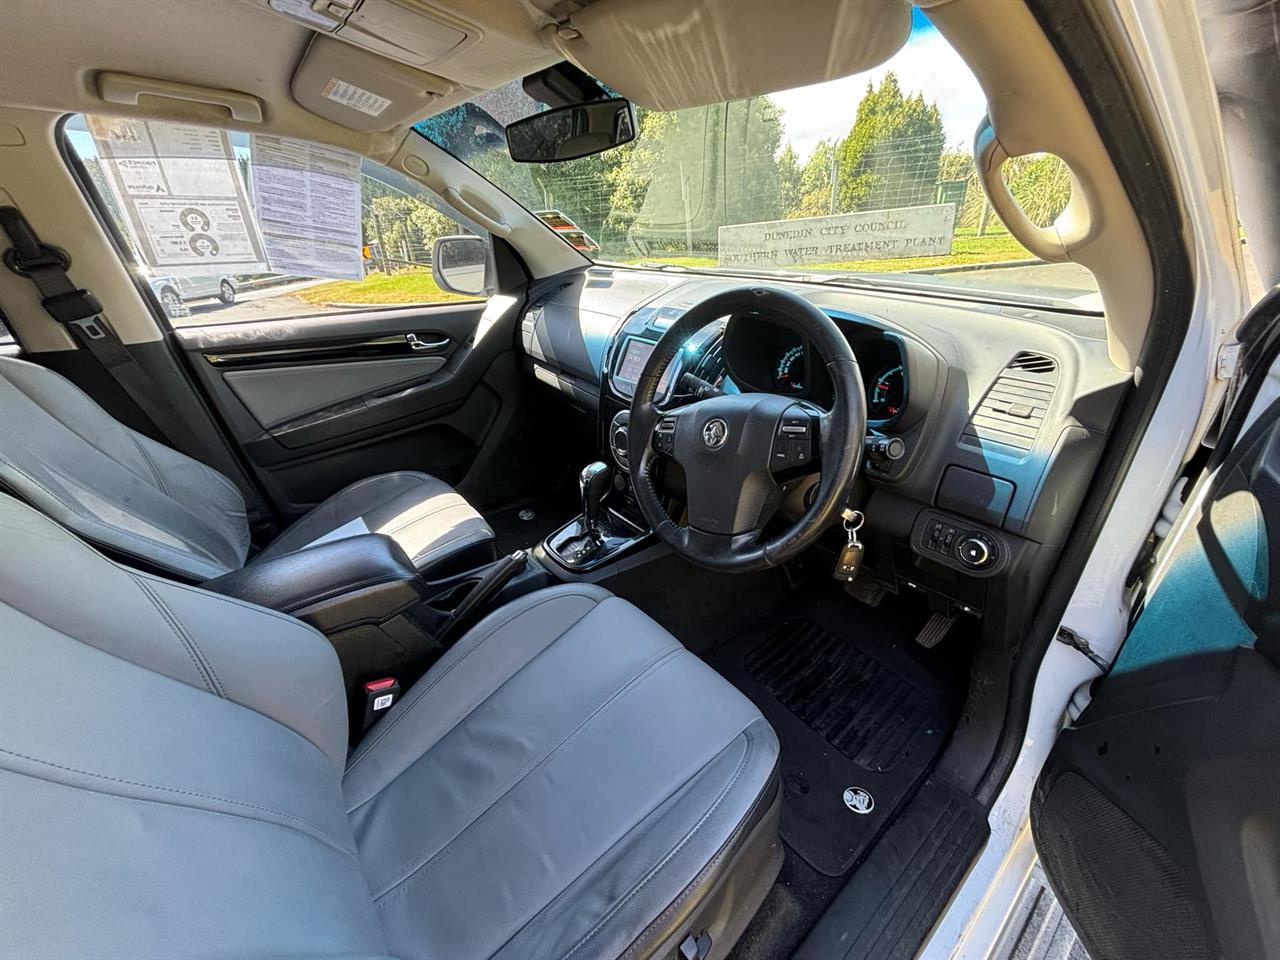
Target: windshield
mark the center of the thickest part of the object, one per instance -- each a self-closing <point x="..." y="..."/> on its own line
<point x="851" y="180"/>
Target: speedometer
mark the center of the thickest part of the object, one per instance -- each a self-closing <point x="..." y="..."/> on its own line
<point x="788" y="373"/>
<point x="887" y="394"/>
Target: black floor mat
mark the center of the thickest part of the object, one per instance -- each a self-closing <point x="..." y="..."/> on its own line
<point x="857" y="704"/>
<point x="543" y="515"/>
<point x="855" y="709"/>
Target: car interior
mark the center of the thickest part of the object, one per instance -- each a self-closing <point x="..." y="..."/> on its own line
<point x="607" y="610"/>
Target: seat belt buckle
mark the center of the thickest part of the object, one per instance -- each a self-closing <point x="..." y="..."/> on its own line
<point x="379" y="695"/>
<point x="74" y="306"/>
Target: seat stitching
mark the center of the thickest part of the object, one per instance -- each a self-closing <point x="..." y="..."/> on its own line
<point x="58" y="419"/>
<point x="236" y="601"/>
<point x="426" y="867"/>
<point x="352" y="487"/>
<point x="122" y="507"/>
<point x="291" y="621"/>
<point x="133" y="436"/>
<point x="195" y="549"/>
<point x="648" y="667"/>
<point x="406" y="705"/>
<point x="182" y="640"/>
<point x="150" y="463"/>
<point x="187" y="638"/>
<point x="605" y="853"/>
<point x="321" y="831"/>
<point x="217" y="475"/>
<point x="487" y="697"/>
<point x="644" y="881"/>
<point x="461" y="504"/>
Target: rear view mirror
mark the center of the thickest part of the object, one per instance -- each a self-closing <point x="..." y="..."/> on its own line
<point x="460" y="264"/>
<point x="567" y="133"/>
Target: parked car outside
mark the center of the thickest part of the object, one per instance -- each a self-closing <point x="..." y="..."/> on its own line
<point x="174" y="293"/>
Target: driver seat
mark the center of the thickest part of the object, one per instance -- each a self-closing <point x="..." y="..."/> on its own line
<point x="568" y="781"/>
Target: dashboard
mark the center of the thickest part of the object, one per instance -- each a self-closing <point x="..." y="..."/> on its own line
<point x="997" y="413"/>
<point x="774" y="359"/>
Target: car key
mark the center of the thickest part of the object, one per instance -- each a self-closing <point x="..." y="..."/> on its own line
<point x="850" y="559"/>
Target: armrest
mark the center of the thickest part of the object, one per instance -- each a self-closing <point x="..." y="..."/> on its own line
<point x="331" y="585"/>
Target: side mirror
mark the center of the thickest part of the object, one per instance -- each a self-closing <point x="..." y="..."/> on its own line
<point x="567" y="133"/>
<point x="461" y="265"/>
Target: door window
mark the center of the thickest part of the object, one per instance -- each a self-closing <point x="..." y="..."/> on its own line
<point x="230" y="226"/>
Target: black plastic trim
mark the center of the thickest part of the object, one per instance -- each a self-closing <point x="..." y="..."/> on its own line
<point x="392" y="345"/>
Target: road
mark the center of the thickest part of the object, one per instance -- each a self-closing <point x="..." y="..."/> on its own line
<point x="266" y="303"/>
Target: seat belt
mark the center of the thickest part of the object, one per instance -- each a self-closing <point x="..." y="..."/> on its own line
<point x="81" y="313"/>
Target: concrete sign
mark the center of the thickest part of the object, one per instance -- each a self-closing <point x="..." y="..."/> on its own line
<point x="870" y="235"/>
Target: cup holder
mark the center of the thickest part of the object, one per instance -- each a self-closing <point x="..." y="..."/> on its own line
<point x="454" y="595"/>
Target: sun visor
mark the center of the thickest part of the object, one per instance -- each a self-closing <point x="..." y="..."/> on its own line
<point x="362" y="90"/>
<point x="672" y="54"/>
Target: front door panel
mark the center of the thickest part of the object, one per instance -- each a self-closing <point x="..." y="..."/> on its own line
<point x="1157" y="815"/>
<point x="319" y="402"/>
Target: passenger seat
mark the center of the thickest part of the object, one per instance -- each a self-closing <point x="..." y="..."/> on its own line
<point x="149" y="504"/>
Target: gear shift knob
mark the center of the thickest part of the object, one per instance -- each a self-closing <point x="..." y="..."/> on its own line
<point x="593" y="482"/>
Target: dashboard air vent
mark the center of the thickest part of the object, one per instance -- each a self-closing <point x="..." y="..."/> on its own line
<point x="1033" y="363"/>
<point x="1015" y="406"/>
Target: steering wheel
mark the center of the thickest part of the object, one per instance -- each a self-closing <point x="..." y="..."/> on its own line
<point x="733" y="447"/>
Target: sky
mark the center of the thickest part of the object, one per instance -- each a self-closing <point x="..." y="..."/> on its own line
<point x="926" y="64"/>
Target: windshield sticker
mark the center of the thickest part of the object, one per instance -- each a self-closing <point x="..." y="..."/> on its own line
<point x="357" y="98"/>
<point x="872" y="235"/>
<point x="308" y="206"/>
<point x="179" y="188"/>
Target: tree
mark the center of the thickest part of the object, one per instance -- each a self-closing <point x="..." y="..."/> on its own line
<point x="1041" y="183"/>
<point x="751" y="182"/>
<point x="957" y="164"/>
<point x="405" y="226"/>
<point x="788" y="181"/>
<point x="890" y="157"/>
<point x="691" y="171"/>
<point x="815" y="182"/>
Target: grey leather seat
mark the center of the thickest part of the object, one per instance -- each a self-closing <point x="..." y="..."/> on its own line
<point x="136" y="498"/>
<point x="568" y="781"/>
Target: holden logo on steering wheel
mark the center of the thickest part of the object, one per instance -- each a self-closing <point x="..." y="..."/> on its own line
<point x="715" y="433"/>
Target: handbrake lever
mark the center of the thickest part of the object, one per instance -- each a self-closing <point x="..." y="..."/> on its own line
<point x="488" y="587"/>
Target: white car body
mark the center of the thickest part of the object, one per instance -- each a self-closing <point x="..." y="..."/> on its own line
<point x="173" y="292"/>
<point x="1166" y="39"/>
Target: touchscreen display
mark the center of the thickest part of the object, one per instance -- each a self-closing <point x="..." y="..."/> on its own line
<point x="633" y="360"/>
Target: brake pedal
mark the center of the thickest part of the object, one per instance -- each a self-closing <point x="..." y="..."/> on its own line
<point x="937" y="627"/>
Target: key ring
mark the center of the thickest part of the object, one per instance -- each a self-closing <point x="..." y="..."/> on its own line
<point x="852" y="520"/>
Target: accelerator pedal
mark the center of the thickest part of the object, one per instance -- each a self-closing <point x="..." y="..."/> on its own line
<point x="937" y="627"/>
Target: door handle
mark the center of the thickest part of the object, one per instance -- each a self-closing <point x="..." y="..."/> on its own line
<point x="419" y="345"/>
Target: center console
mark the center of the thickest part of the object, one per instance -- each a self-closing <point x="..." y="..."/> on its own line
<point x="604" y="531"/>
<point x="611" y="526"/>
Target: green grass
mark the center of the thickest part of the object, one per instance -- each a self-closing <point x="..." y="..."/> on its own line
<point x="402" y="286"/>
<point x="417" y="286"/>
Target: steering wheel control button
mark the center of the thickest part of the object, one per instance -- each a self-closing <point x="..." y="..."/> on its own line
<point x="664" y="436"/>
<point x="793" y="441"/>
<point x="801" y="452"/>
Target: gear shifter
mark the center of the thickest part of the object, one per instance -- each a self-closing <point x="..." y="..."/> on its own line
<point x="594" y="538"/>
<point x="593" y="483"/>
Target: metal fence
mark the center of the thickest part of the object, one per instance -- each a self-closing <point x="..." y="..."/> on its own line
<point x="673" y="208"/>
